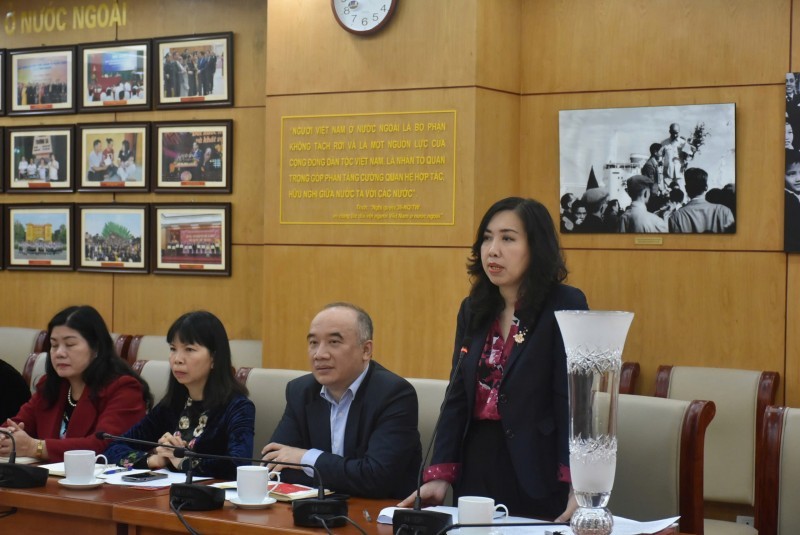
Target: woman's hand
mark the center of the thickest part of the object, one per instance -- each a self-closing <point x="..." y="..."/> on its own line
<point x="431" y="493"/>
<point x="572" y="504"/>
<point x="165" y="454"/>
<point x="26" y="445"/>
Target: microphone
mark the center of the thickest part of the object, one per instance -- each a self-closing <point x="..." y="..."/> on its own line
<point x="310" y="512"/>
<point x="20" y="476"/>
<point x="429" y="522"/>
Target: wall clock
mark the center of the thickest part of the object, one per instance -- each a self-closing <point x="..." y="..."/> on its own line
<point x="363" y="17"/>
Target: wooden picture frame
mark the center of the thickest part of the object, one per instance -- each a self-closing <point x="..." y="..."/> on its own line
<point x="192" y="156"/>
<point x="114" y="76"/>
<point x="43" y="81"/>
<point x="2" y="82"/>
<point x="113" y="157"/>
<point x="191" y="239"/>
<point x="193" y="70"/>
<point x="112" y="238"/>
<point x="38" y="236"/>
<point x="49" y="151"/>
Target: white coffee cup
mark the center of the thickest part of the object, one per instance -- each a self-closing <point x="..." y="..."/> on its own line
<point x="251" y="483"/>
<point x="477" y="510"/>
<point x="80" y="466"/>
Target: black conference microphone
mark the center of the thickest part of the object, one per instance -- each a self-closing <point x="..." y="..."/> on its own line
<point x="416" y="520"/>
<point x="310" y="512"/>
<point x="20" y="476"/>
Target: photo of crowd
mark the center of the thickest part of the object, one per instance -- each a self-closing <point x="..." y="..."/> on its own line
<point x="42" y="80"/>
<point x="39" y="159"/>
<point x="192" y="238"/>
<point x="791" y="184"/>
<point x="112" y="236"/>
<point x="193" y="70"/>
<point x="115" y="76"/>
<point x="193" y="155"/>
<point x="648" y="170"/>
<point x="40" y="237"/>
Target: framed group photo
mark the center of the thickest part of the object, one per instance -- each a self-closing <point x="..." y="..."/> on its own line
<point x="40" y="81"/>
<point x="38" y="237"/>
<point x="192" y="155"/>
<point x="191" y="239"/>
<point x="194" y="70"/>
<point x="113" y="238"/>
<point x="38" y="159"/>
<point x="2" y="83"/>
<point x="113" y="157"/>
<point x="114" y="76"/>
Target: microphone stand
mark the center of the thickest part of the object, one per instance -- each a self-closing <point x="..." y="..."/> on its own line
<point x="20" y="476"/>
<point x="310" y="512"/>
<point x="429" y="522"/>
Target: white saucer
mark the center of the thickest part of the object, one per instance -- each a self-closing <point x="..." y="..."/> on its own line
<point x="70" y="485"/>
<point x="265" y="503"/>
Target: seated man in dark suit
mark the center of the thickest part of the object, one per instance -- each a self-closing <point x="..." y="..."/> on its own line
<point x="14" y="391"/>
<point x="351" y="418"/>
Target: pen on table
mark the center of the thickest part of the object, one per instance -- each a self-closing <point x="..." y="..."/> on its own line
<point x="366" y="516"/>
<point x="115" y="471"/>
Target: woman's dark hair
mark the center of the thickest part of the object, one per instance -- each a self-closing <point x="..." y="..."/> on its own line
<point x="546" y="267"/>
<point x="104" y="367"/>
<point x="204" y="328"/>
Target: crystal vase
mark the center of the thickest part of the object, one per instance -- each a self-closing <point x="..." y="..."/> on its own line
<point x="593" y="341"/>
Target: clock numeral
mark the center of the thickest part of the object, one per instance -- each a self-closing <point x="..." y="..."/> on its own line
<point x="347" y="11"/>
<point x="375" y="17"/>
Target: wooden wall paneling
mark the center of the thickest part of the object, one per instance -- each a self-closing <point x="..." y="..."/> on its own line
<point x="245" y="18"/>
<point x="794" y="55"/>
<point x="31" y="299"/>
<point x="148" y="304"/>
<point x="695" y="308"/>
<point x="759" y="160"/>
<point x="498" y="48"/>
<point x="457" y="234"/>
<point x="411" y="293"/>
<point x="16" y="34"/>
<point x="790" y="378"/>
<point x="426" y="44"/>
<point x="640" y="44"/>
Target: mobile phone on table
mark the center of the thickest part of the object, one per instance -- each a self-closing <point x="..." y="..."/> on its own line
<point x="141" y="477"/>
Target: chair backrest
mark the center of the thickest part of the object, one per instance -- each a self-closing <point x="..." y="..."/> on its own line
<point x="16" y="343"/>
<point x="35" y="369"/>
<point x="430" y="393"/>
<point x="778" y="493"/>
<point x="741" y="397"/>
<point x="156" y="373"/>
<point x="660" y="459"/>
<point x="121" y="344"/>
<point x="628" y="376"/>
<point x="267" y="388"/>
<point x="147" y="347"/>
<point x="246" y="353"/>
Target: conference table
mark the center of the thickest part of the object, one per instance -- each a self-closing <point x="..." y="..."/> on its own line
<point x="119" y="510"/>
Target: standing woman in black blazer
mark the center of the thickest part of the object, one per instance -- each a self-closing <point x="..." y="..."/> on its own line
<point x="504" y="428"/>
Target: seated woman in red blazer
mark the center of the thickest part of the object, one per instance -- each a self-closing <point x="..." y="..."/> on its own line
<point x="87" y="388"/>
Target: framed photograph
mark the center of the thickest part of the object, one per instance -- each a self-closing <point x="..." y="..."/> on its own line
<point x="38" y="236"/>
<point x="2" y="82"/>
<point x="191" y="239"/>
<point x="113" y="237"/>
<point x="113" y="157"/>
<point x="114" y="76"/>
<point x="664" y="169"/>
<point x="192" y="156"/>
<point x="41" y="81"/>
<point x="38" y="158"/>
<point x="194" y="70"/>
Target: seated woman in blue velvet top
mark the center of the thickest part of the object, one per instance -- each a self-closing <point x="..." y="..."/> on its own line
<point x="205" y="409"/>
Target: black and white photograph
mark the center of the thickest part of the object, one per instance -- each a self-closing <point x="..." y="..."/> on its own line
<point x="192" y="156"/>
<point x="192" y="239"/>
<point x="114" y="76"/>
<point x="791" y="184"/>
<point x="195" y="70"/>
<point x="38" y="237"/>
<point x="664" y="169"/>
<point x="113" y="157"/>
<point x="113" y="238"/>
<point x="2" y="82"/>
<point x="41" y="81"/>
<point x="38" y="159"/>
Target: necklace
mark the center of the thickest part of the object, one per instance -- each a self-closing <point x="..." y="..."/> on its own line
<point x="72" y="402"/>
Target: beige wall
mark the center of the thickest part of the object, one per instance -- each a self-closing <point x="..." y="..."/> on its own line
<point x="507" y="67"/>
